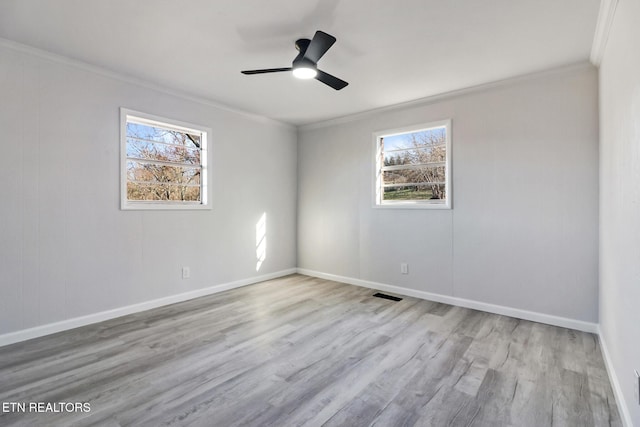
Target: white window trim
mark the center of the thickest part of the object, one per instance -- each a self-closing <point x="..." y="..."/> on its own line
<point x="411" y="204"/>
<point x="126" y="204"/>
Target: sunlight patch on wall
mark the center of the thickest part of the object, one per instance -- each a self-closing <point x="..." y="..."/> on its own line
<point x="261" y="240"/>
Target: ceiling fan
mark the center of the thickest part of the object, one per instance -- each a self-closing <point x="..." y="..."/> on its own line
<point x="305" y="64"/>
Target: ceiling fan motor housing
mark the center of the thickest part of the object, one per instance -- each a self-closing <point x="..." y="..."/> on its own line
<point x="300" y="61"/>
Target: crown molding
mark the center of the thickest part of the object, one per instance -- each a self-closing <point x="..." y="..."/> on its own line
<point x="447" y="95"/>
<point x="46" y="55"/>
<point x="603" y="27"/>
<point x="60" y="59"/>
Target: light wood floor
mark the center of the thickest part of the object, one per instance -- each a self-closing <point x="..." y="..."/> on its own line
<point x="306" y="351"/>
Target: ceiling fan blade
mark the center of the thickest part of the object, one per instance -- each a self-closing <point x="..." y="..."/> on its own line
<point x="267" y="70"/>
<point x="319" y="46"/>
<point x="330" y="80"/>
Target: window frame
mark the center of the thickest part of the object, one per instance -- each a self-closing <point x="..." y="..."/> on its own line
<point x="150" y="119"/>
<point x="377" y="173"/>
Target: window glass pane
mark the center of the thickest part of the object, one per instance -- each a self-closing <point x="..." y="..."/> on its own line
<point x="414" y="175"/>
<point x="412" y="166"/>
<point x="156" y="173"/>
<point x="162" y="192"/>
<point x="414" y="156"/>
<point x="159" y="134"/>
<point x="421" y="139"/>
<point x="164" y="161"/>
<point x="434" y="193"/>
<point x="143" y="149"/>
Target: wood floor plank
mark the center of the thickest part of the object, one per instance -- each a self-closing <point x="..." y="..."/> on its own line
<point x="303" y="351"/>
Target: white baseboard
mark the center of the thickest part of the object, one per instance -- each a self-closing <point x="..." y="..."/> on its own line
<point x="623" y="409"/>
<point x="38" y="331"/>
<point x="462" y="302"/>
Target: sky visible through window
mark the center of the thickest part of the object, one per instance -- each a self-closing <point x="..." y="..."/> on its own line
<point x="404" y="140"/>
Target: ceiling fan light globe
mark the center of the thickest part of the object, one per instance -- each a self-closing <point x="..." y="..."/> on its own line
<point x="305" y="72"/>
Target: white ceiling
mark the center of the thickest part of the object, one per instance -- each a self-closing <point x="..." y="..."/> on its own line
<point x="390" y="52"/>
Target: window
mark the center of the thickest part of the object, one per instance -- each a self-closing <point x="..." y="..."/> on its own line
<point x="413" y="166"/>
<point x="164" y="163"/>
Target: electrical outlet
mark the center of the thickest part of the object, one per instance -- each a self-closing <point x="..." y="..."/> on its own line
<point x="404" y="268"/>
<point x="186" y="272"/>
<point x="636" y="387"/>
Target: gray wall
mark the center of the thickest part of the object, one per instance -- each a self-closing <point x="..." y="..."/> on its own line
<point x="67" y="249"/>
<point x="523" y="232"/>
<point x="620" y="201"/>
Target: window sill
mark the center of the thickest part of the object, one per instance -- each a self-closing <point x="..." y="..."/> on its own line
<point x="413" y="205"/>
<point x="142" y="206"/>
